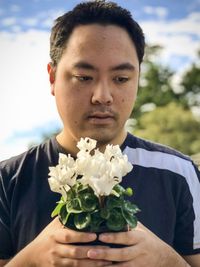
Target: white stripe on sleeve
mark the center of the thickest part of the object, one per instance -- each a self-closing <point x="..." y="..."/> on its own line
<point x="183" y="167"/>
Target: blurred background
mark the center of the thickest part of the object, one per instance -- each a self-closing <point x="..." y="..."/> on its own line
<point x="168" y="105"/>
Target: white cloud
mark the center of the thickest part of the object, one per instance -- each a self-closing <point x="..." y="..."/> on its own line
<point x="8" y="21"/>
<point x="188" y="25"/>
<point x="180" y="40"/>
<point x="16" y="28"/>
<point x="25" y="99"/>
<point x="43" y="19"/>
<point x="52" y="15"/>
<point x="159" y="11"/>
<point x="177" y="37"/>
<point x="31" y="22"/>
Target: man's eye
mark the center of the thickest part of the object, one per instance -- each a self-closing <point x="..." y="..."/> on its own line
<point x="83" y="78"/>
<point x="121" y="79"/>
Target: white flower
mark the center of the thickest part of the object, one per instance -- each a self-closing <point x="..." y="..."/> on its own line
<point x="113" y="151"/>
<point x="58" y="188"/>
<point x="120" y="166"/>
<point x="101" y="171"/>
<point x="86" y="144"/>
<point x="83" y="162"/>
<point x="63" y="176"/>
<point x="101" y="185"/>
<point x="66" y="160"/>
<point x="93" y="165"/>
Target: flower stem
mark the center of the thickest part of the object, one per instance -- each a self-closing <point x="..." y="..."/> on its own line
<point x="102" y="201"/>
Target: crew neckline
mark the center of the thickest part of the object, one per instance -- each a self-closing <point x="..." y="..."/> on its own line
<point x="60" y="149"/>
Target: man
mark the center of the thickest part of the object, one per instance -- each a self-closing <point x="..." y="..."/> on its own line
<point x="96" y="52"/>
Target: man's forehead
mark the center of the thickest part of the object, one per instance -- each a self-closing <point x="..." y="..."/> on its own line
<point x="88" y="49"/>
<point x="97" y="32"/>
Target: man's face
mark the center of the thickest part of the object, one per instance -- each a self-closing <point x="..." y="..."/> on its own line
<point x="96" y="83"/>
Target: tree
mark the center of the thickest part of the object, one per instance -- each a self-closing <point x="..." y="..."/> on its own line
<point x="156" y="88"/>
<point x="191" y="84"/>
<point x="171" y="125"/>
<point x="155" y="83"/>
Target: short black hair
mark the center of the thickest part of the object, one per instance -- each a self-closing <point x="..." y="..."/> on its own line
<point x="90" y="12"/>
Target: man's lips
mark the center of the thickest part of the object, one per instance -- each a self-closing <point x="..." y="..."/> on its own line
<point x="101" y="118"/>
<point x="101" y="115"/>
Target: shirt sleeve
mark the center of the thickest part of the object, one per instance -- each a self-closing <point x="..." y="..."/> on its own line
<point x="187" y="232"/>
<point x="6" y="247"/>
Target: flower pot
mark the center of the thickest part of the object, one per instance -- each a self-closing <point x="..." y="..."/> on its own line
<point x="98" y="242"/>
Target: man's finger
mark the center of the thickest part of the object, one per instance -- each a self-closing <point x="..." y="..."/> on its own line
<point x="128" y="238"/>
<point x="74" y="252"/>
<point x="114" y="254"/>
<point x="67" y="235"/>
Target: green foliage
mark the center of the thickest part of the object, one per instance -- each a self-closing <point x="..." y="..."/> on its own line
<point x="171" y="125"/>
<point x="155" y="118"/>
<point x="156" y="84"/>
<point x="191" y="85"/>
<point x="83" y="211"/>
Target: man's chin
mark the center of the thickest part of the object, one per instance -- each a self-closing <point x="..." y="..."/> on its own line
<point x="101" y="136"/>
<point x="104" y="137"/>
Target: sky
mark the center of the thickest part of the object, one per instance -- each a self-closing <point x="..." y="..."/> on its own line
<point x="27" y="109"/>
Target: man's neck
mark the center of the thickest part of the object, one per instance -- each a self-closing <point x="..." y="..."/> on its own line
<point x="70" y="145"/>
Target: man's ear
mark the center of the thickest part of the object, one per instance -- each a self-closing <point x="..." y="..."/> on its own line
<point x="51" y="72"/>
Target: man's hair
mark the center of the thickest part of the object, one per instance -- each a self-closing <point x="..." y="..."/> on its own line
<point x="101" y="12"/>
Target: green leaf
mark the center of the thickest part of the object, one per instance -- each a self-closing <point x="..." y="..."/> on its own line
<point x="88" y="202"/>
<point x="116" y="221"/>
<point x="130" y="219"/>
<point x="113" y="202"/>
<point x="96" y="222"/>
<point x="62" y="200"/>
<point x="64" y="215"/>
<point x="70" y="195"/>
<point x="82" y="220"/>
<point x="73" y="206"/>
<point x="119" y="189"/>
<point x="105" y="213"/>
<point x="57" y="209"/>
<point x="80" y="188"/>
<point x="130" y="207"/>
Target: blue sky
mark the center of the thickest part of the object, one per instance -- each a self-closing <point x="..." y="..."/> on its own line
<point x="20" y="9"/>
<point x="26" y="107"/>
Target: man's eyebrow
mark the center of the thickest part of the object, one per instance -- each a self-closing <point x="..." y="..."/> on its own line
<point x="88" y="66"/>
<point x="123" y="66"/>
<point x="84" y="65"/>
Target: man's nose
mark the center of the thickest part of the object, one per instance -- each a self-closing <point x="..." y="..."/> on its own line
<point x="102" y="94"/>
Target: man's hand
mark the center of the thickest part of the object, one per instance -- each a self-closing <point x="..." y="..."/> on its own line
<point x="144" y="249"/>
<point x="52" y="248"/>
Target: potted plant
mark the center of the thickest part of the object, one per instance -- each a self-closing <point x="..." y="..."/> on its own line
<point x="91" y="197"/>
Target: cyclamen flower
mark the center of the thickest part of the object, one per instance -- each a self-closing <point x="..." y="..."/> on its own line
<point x="120" y="166"/>
<point x="101" y="185"/>
<point x="113" y="151"/>
<point x="62" y="176"/>
<point x="101" y="171"/>
<point x="86" y="144"/>
<point x="103" y="175"/>
<point x="88" y="165"/>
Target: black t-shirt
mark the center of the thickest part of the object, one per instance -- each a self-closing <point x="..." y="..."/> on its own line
<point x="166" y="188"/>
